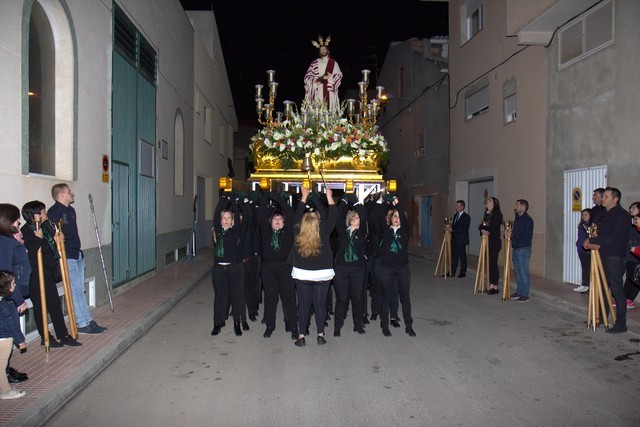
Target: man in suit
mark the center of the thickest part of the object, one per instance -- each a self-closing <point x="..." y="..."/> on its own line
<point x="459" y="239"/>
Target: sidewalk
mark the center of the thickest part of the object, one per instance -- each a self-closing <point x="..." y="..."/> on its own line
<point x="557" y="293"/>
<point x="56" y="377"/>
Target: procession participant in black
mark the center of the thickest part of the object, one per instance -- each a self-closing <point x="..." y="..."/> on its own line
<point x="611" y="241"/>
<point x="276" y="228"/>
<point x="490" y="225"/>
<point x="395" y="275"/>
<point x="376" y="211"/>
<point x="459" y="239"/>
<point x="312" y="261"/>
<point x="42" y="238"/>
<point x="228" y="270"/>
<point x="351" y="227"/>
<point x="250" y="260"/>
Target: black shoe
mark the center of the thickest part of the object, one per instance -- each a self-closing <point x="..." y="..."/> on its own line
<point x="395" y="323"/>
<point x="245" y="325"/>
<point x="374" y="316"/>
<point x="386" y="332"/>
<point x="300" y="342"/>
<point x="95" y="325"/>
<point x="321" y="340"/>
<point x="15" y="376"/>
<point x="462" y="275"/>
<point x="359" y="329"/>
<point x="69" y="341"/>
<point x="252" y="317"/>
<point x="365" y="320"/>
<point x="294" y="334"/>
<point x="90" y="329"/>
<point x="268" y="332"/>
<point x="493" y="291"/>
<point x="52" y="343"/>
<point x="336" y="332"/>
<point x="618" y="329"/>
<point x="236" y="329"/>
<point x="409" y="330"/>
<point x="216" y="329"/>
<point x="515" y="295"/>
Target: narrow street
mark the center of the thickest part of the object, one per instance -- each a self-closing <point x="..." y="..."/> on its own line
<point x="476" y="361"/>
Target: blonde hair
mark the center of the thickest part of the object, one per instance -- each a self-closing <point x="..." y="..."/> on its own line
<point x="308" y="240"/>
<point x="390" y="215"/>
<point x="350" y="216"/>
<point x="213" y="229"/>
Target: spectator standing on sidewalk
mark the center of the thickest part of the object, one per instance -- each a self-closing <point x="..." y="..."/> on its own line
<point x="597" y="210"/>
<point x="10" y="332"/>
<point x="611" y="241"/>
<point x="521" y="240"/>
<point x="584" y="254"/>
<point x="490" y="226"/>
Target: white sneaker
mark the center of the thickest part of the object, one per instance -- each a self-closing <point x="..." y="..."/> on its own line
<point x="581" y="289"/>
<point x="14" y="393"/>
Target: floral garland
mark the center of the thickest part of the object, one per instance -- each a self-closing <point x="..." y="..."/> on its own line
<point x="332" y="137"/>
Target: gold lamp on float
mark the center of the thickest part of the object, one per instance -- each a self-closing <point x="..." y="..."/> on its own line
<point x="226" y="183"/>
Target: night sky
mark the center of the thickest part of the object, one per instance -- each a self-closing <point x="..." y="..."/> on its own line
<point x="261" y="35"/>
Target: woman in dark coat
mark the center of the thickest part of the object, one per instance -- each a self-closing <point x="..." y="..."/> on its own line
<point x="490" y="226"/>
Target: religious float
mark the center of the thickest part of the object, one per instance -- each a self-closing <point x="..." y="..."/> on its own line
<point x="324" y="142"/>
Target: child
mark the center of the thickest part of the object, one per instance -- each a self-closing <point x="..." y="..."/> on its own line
<point x="584" y="254"/>
<point x="9" y="332"/>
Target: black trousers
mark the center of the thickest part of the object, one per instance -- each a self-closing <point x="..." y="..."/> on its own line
<point x="395" y="281"/>
<point x="228" y="283"/>
<point x="277" y="281"/>
<point x="375" y="288"/>
<point x="54" y="308"/>
<point x="312" y="293"/>
<point x="614" y="271"/>
<point x="250" y="287"/>
<point x="585" y="263"/>
<point x="494" y="271"/>
<point x="348" y="283"/>
<point x="458" y="251"/>
<point x="368" y="265"/>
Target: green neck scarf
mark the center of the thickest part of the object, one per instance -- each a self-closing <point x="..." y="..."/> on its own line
<point x="395" y="244"/>
<point x="49" y="239"/>
<point x="275" y="239"/>
<point x="220" y="244"/>
<point x="350" y="254"/>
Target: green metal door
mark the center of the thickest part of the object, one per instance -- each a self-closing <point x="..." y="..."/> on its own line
<point x="120" y="223"/>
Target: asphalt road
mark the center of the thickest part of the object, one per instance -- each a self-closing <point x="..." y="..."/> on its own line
<point x="477" y="361"/>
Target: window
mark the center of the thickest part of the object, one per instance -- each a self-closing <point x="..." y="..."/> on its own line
<point x="418" y="151"/>
<point x="477" y="98"/>
<point x="471" y="19"/>
<point x="178" y="141"/>
<point x="586" y="34"/>
<point x="52" y="94"/>
<point x="509" y="97"/>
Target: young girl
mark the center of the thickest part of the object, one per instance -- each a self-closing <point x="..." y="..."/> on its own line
<point x="584" y="254"/>
<point x="9" y="332"/>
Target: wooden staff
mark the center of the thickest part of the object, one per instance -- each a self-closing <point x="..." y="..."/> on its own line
<point x="599" y="288"/>
<point x="64" y="270"/>
<point x="506" y="275"/>
<point x="43" y="297"/>
<point x="483" y="266"/>
<point x="443" y="267"/>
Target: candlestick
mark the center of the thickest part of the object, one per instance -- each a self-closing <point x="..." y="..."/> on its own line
<point x="258" y="91"/>
<point x="271" y="74"/>
<point x="365" y="76"/>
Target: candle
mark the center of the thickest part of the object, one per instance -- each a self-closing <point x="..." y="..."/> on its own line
<point x="273" y="86"/>
<point x="351" y="105"/>
<point x="365" y="76"/>
<point x="363" y="87"/>
<point x="258" y="91"/>
<point x="279" y="116"/>
<point x="259" y="102"/>
<point x="379" y="90"/>
<point x="271" y="74"/>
